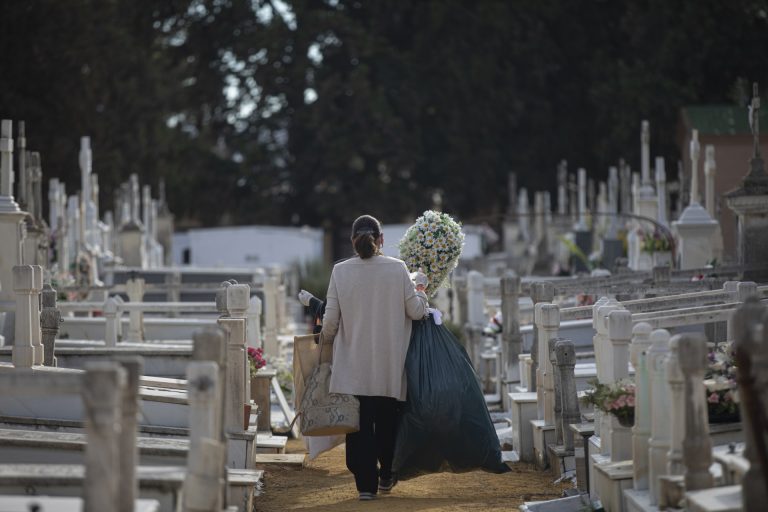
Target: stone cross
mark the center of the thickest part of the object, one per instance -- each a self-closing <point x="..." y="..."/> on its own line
<point x="523" y="220"/>
<point x="658" y="444"/>
<point x="613" y="201"/>
<point x="102" y="395"/>
<point x="625" y="185"/>
<point x="695" y="149"/>
<point x="135" y="199"/>
<point x="562" y="188"/>
<point x="50" y="319"/>
<point x="709" y="179"/>
<point x="573" y="191"/>
<point x="21" y="151"/>
<point x="7" y="204"/>
<point x="754" y="120"/>
<point x="697" y="445"/>
<point x="511" y="192"/>
<point x="582" y="225"/>
<point x="645" y="158"/>
<point x="661" y="190"/>
<point x="566" y="363"/>
<point x="35" y="186"/>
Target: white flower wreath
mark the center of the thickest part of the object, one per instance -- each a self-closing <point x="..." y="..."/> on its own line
<point x="433" y="244"/>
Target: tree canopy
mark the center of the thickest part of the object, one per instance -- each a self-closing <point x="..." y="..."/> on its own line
<point x="313" y="111"/>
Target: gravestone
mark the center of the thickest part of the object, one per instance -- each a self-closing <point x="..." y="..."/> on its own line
<point x="750" y="204"/>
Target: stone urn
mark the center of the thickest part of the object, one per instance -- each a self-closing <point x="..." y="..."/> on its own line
<point x="260" y="394"/>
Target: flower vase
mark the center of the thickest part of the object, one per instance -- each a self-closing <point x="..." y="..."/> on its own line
<point x="662" y="259"/>
<point x="260" y="394"/>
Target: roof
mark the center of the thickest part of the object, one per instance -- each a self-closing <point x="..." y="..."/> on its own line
<point x="720" y="119"/>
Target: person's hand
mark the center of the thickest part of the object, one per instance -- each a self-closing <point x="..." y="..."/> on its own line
<point x="420" y="279"/>
<point x="305" y="297"/>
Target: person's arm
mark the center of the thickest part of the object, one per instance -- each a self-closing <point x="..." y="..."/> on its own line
<point x="416" y="302"/>
<point x="332" y="313"/>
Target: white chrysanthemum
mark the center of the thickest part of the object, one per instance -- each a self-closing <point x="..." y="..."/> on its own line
<point x="433" y="244"/>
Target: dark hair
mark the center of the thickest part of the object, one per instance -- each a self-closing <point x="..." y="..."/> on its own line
<point x="365" y="231"/>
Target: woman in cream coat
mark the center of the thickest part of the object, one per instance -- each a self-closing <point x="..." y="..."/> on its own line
<point x="371" y="301"/>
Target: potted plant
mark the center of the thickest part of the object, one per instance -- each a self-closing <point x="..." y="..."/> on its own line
<point x="617" y="399"/>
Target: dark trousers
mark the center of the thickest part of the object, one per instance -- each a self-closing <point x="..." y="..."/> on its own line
<point x="375" y="441"/>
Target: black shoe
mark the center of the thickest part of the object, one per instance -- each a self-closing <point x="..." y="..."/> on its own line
<point x="386" y="484"/>
<point x="367" y="496"/>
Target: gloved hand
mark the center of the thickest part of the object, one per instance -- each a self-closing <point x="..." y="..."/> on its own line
<point x="437" y="315"/>
<point x="420" y="279"/>
<point x="305" y="297"/>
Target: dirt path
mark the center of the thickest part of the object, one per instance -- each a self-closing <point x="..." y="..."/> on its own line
<point x="326" y="485"/>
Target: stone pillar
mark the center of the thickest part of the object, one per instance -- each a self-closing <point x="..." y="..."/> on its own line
<point x="658" y="444"/>
<point x="540" y="292"/>
<point x="562" y="188"/>
<point x="557" y="405"/>
<point x="23" y="354"/>
<point x="573" y="198"/>
<point x="709" y="180"/>
<point x="475" y="298"/>
<point x="676" y="412"/>
<point x="134" y="288"/>
<point x="625" y="187"/>
<point x="271" y="347"/>
<point x="511" y="340"/>
<point x="695" y="228"/>
<point x="547" y="318"/>
<point x="253" y="323"/>
<point x="661" y="191"/>
<point x="697" y="445"/>
<point x="128" y="488"/>
<point x="210" y="345"/>
<point x="50" y="318"/>
<point x="12" y="229"/>
<point x="34" y="305"/>
<point x="236" y="300"/>
<point x="641" y="432"/>
<point x="203" y="483"/>
<point x="523" y="219"/>
<point x="111" y="321"/>
<point x="612" y="246"/>
<point x="102" y="396"/>
<point x="566" y="363"/>
<point x="619" y="336"/>
<point x="581" y="229"/>
<point x="131" y="236"/>
<point x="647" y="201"/>
<point x="751" y="354"/>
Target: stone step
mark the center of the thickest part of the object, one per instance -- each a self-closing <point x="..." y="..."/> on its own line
<point x="282" y="459"/>
<point x="163" y="483"/>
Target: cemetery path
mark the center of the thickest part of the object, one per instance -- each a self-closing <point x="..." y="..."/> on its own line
<point x="325" y="485"/>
